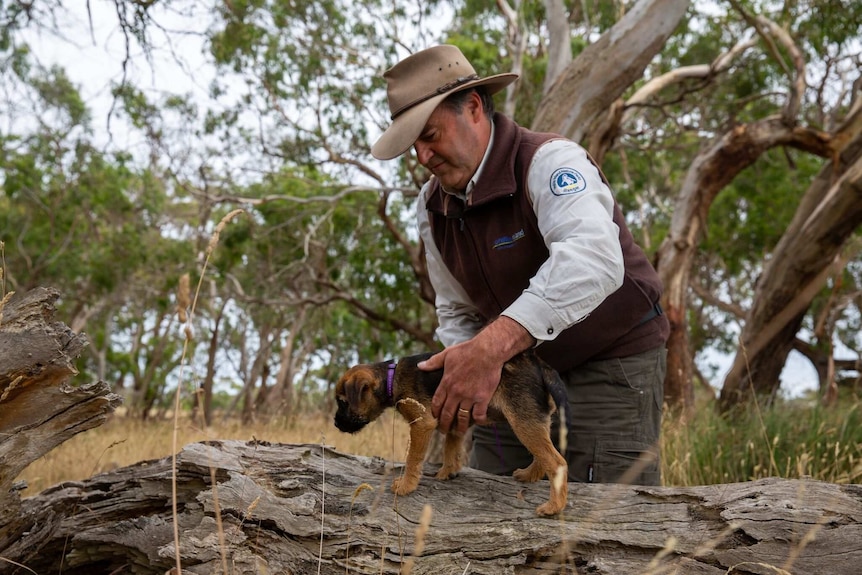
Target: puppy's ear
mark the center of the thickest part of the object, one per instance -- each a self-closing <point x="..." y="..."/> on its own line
<point x="355" y="385"/>
<point x="354" y="389"/>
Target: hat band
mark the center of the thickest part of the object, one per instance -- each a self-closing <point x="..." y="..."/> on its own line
<point x="441" y="90"/>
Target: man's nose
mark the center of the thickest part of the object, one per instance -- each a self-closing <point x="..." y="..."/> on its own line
<point x="423" y="153"/>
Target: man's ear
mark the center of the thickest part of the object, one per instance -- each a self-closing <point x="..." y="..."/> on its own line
<point x="473" y="106"/>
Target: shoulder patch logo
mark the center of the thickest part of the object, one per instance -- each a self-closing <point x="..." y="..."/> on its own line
<point x="567" y="181"/>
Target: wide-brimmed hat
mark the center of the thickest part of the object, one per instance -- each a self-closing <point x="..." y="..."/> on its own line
<point x="417" y="84"/>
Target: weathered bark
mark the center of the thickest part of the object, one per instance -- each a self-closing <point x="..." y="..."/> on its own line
<point x="605" y="69"/>
<point x="38" y="410"/>
<point x="305" y="509"/>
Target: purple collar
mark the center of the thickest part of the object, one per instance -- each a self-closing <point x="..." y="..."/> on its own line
<point x="390" y="378"/>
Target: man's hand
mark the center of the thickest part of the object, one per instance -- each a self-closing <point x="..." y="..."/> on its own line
<point x="471" y="373"/>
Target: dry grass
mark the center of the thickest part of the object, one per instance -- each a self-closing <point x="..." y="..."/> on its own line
<point x="123" y="441"/>
<point x="790" y="442"/>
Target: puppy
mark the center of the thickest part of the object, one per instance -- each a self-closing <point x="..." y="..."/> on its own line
<point x="530" y="392"/>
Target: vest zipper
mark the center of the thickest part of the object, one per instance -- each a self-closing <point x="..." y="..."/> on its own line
<point x="481" y="268"/>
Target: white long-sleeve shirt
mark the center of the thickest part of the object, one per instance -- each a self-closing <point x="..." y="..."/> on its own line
<point x="574" y="210"/>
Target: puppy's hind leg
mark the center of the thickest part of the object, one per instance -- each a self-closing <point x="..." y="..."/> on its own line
<point x="453" y="456"/>
<point x="547" y="461"/>
<point x="422" y="425"/>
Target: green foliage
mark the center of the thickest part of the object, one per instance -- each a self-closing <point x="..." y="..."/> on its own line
<point x="58" y="92"/>
<point x="310" y="253"/>
<point x="77" y="216"/>
<point x="824" y="23"/>
<point x="285" y="135"/>
<point x="750" y="215"/>
<point x="310" y="90"/>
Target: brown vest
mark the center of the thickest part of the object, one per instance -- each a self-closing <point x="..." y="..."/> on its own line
<point x="493" y="247"/>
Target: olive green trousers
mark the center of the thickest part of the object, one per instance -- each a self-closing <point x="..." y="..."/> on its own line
<point x="614" y="424"/>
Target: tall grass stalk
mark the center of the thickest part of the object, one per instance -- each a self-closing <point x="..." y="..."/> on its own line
<point x="791" y="440"/>
<point x="4" y="297"/>
<point x="182" y="303"/>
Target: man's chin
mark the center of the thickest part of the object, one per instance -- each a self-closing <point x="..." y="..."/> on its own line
<point x="450" y="184"/>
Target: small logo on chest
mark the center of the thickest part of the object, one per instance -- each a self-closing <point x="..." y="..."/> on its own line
<point x="507" y="242"/>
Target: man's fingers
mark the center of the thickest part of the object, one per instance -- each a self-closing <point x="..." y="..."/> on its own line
<point x="438" y="402"/>
<point x="463" y="393"/>
<point x="446" y="419"/>
<point x="464" y="415"/>
<point x="434" y="362"/>
<point x="480" y="414"/>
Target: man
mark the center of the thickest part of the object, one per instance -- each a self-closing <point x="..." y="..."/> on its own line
<point x="526" y="247"/>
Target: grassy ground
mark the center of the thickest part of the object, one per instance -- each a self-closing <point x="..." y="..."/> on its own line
<point x="124" y="441"/>
<point x="790" y="441"/>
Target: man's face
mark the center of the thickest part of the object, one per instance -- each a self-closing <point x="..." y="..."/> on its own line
<point x="452" y="143"/>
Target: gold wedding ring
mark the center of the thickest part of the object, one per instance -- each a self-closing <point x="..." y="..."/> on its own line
<point x="462" y="410"/>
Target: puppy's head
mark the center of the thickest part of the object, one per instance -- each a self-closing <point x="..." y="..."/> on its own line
<point x="358" y="401"/>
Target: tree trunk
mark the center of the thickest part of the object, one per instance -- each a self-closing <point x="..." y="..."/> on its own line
<point x="801" y="263"/>
<point x="38" y="410"/>
<point x="559" y="42"/>
<point x="712" y="170"/>
<point x="204" y="399"/>
<point x="281" y="401"/>
<point x="605" y="69"/>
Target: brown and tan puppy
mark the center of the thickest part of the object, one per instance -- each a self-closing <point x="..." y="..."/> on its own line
<point x="530" y="392"/>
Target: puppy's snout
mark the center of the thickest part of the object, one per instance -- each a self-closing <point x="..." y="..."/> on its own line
<point x="347" y="421"/>
<point x="349" y="424"/>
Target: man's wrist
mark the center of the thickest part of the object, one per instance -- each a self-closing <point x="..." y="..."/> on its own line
<point x="504" y="338"/>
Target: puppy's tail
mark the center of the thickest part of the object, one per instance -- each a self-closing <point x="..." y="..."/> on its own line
<point x="554" y="385"/>
<point x="557" y="389"/>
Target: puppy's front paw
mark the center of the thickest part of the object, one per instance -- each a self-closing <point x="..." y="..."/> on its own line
<point x="403" y="486"/>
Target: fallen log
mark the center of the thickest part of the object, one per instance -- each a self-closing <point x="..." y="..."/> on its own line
<point x="261" y="508"/>
<point x="255" y="507"/>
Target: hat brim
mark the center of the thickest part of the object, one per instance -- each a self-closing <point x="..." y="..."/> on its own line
<point x="405" y="129"/>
